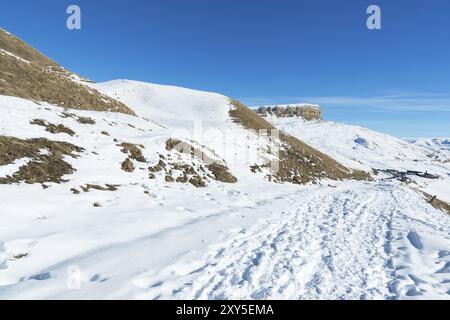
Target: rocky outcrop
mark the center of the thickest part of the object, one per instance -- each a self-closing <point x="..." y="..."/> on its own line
<point x="305" y="111"/>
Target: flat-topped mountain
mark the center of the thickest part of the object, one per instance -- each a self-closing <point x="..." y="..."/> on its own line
<point x="303" y="110"/>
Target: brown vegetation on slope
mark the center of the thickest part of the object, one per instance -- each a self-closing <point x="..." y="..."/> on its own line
<point x="40" y="79"/>
<point x="53" y="128"/>
<point x="437" y="203"/>
<point x="219" y="171"/>
<point x="47" y="166"/>
<point x="298" y="162"/>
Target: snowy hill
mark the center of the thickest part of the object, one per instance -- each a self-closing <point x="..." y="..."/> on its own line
<point x="361" y="148"/>
<point x="159" y="102"/>
<point x="441" y="145"/>
<point x="99" y="203"/>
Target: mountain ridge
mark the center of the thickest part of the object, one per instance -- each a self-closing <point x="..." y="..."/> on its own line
<point x="27" y="73"/>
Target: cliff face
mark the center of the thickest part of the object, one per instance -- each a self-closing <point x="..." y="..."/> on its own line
<point x="305" y="111"/>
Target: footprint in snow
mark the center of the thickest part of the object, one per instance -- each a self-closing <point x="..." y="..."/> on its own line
<point x="97" y="278"/>
<point x="416" y="279"/>
<point x="413" y="292"/>
<point x="445" y="269"/>
<point x="415" y="240"/>
<point x="41" y="276"/>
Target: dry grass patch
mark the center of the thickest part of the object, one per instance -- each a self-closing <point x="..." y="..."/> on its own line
<point x="133" y="150"/>
<point x="42" y="167"/>
<point x="79" y="119"/>
<point x="86" y="120"/>
<point x="53" y="128"/>
<point x="220" y="172"/>
<point x="298" y="162"/>
<point x="128" y="165"/>
<point x="107" y="187"/>
<point x="41" y="79"/>
<point x="437" y="203"/>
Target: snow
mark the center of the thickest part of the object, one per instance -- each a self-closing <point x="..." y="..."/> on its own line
<point x="162" y="103"/>
<point x="249" y="240"/>
<point x="361" y="148"/>
<point x="4" y="52"/>
<point x="10" y="169"/>
<point x="440" y="188"/>
<point x="358" y="147"/>
<point x="191" y="115"/>
<point x="435" y="145"/>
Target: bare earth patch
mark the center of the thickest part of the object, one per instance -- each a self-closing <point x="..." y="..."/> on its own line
<point x="437" y="203"/>
<point x="128" y="165"/>
<point x="52" y="128"/>
<point x="133" y="150"/>
<point x="220" y="172"/>
<point x="298" y="162"/>
<point x="43" y="167"/>
<point x="107" y="187"/>
<point x="79" y="119"/>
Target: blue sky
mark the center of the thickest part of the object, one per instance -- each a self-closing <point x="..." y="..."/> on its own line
<point x="395" y="80"/>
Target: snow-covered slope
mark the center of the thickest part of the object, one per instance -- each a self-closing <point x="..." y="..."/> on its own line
<point x="361" y="148"/>
<point x="358" y="147"/>
<point x="201" y="118"/>
<point x="254" y="239"/>
<point x="162" y="103"/>
<point x="441" y="145"/>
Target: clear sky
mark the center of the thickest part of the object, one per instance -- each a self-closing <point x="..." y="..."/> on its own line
<point x="395" y="80"/>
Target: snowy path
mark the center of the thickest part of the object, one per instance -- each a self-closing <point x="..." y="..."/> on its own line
<point x="355" y="241"/>
<point x="335" y="246"/>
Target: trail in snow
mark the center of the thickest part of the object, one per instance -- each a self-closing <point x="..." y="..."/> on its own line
<point x="339" y="244"/>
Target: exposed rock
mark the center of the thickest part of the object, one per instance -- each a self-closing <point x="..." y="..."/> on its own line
<point x="305" y="111"/>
